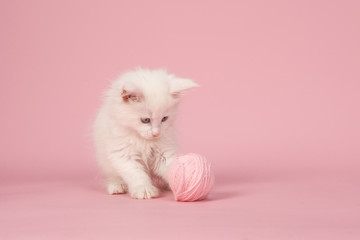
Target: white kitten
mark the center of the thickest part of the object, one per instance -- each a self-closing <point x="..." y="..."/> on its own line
<point x="134" y="132"/>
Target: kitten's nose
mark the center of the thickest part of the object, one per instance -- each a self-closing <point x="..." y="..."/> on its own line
<point x="156" y="134"/>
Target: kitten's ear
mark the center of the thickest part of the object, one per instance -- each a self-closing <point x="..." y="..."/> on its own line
<point x="131" y="94"/>
<point x="179" y="86"/>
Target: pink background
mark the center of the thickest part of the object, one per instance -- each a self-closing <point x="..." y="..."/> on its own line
<point x="277" y="113"/>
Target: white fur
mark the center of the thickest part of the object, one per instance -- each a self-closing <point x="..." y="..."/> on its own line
<point x="130" y="152"/>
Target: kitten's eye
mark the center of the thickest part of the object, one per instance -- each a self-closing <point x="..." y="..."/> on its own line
<point x="145" y="120"/>
<point x="164" y="119"/>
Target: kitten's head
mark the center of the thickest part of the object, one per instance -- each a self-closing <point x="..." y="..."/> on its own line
<point x="148" y="100"/>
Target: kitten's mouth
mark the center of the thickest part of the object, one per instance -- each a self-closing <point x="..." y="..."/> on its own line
<point x="154" y="138"/>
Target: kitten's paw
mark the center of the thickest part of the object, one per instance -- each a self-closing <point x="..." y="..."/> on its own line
<point x="144" y="192"/>
<point x="116" y="188"/>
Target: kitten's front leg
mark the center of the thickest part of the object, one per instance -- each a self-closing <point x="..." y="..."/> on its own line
<point x="138" y="181"/>
<point x="163" y="164"/>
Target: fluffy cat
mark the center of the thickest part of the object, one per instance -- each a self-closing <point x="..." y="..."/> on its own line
<point x="134" y="130"/>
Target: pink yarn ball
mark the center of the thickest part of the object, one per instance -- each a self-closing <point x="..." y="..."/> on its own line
<point x="190" y="177"/>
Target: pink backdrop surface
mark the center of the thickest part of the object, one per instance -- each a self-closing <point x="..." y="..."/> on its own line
<point x="277" y="113"/>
